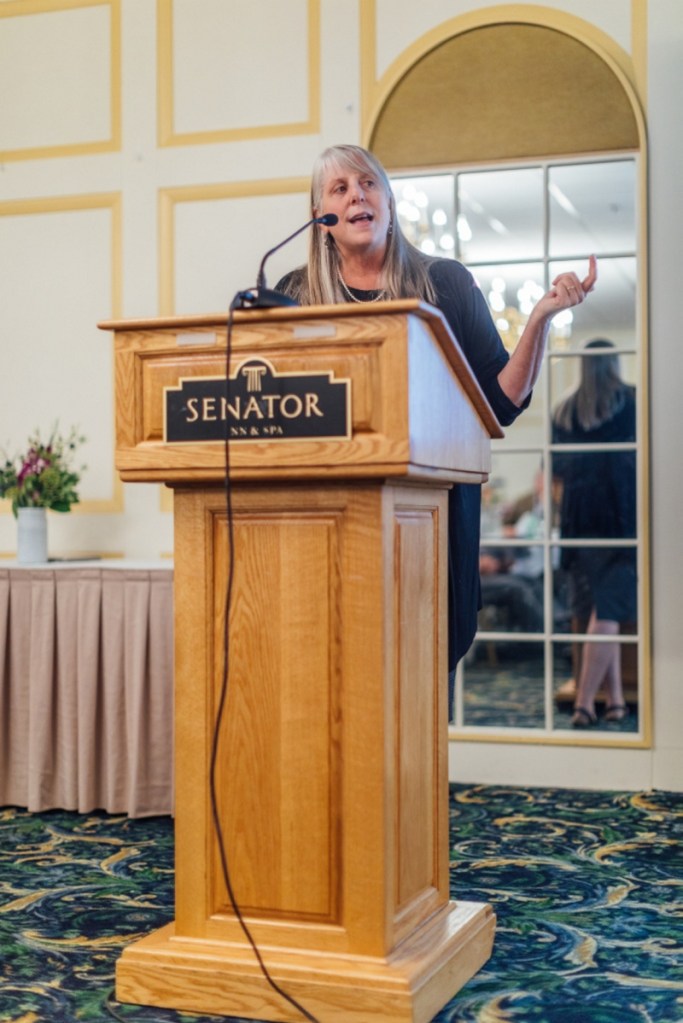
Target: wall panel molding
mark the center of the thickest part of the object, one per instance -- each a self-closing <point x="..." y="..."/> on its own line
<point x="168" y="135"/>
<point x="171" y="198"/>
<point x="58" y="327"/>
<point x="67" y="103"/>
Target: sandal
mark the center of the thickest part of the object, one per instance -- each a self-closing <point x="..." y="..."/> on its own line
<point x="583" y="718"/>
<point x="617" y="712"/>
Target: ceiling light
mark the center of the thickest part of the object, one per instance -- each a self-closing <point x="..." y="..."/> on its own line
<point x="496" y="226"/>
<point x="464" y="229"/>
<point x="562" y="200"/>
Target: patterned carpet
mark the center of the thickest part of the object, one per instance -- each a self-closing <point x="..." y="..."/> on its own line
<point x="586" y="887"/>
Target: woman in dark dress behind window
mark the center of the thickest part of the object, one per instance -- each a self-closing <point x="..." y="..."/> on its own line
<point x="599" y="502"/>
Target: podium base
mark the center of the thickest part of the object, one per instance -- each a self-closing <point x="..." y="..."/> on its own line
<point x="215" y="978"/>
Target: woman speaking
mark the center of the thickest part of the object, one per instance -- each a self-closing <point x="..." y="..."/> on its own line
<point x="365" y="257"/>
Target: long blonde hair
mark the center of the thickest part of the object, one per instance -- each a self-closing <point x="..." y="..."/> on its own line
<point x="600" y="394"/>
<point x="405" y="270"/>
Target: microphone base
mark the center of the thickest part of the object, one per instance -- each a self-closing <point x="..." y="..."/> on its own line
<point x="261" y="298"/>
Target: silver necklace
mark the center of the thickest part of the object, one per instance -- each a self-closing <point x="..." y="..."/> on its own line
<point x="354" y="298"/>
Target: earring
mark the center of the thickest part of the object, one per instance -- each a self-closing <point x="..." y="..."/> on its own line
<point x="391" y="227"/>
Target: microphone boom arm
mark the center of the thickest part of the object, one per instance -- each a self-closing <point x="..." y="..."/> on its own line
<point x="262" y="297"/>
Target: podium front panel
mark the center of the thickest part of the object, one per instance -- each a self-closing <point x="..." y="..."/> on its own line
<point x="415" y="408"/>
<point x="331" y="769"/>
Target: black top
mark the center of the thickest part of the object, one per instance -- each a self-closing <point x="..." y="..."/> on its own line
<point x="460" y="300"/>
<point x="599" y="487"/>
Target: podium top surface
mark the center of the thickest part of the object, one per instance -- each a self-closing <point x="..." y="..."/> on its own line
<point x="278" y="313"/>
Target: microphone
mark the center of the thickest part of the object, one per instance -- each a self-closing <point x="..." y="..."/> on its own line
<point x="261" y="297"/>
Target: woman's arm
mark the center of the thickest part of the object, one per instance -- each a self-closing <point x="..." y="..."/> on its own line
<point x="519" y="375"/>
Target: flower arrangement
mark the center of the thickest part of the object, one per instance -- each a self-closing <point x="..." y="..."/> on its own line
<point x="44" y="477"/>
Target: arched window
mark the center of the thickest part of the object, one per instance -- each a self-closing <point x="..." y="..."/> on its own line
<point x="499" y="160"/>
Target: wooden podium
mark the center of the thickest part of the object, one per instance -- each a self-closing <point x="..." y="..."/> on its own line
<point x="331" y="764"/>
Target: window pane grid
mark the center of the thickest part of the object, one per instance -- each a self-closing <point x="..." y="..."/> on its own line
<point x="560" y="213"/>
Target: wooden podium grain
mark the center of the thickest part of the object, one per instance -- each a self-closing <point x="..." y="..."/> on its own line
<point x="332" y="760"/>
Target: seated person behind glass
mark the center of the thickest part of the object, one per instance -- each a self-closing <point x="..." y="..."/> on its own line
<point x="512" y="577"/>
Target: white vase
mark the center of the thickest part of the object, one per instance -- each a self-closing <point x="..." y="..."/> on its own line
<point x="31" y="535"/>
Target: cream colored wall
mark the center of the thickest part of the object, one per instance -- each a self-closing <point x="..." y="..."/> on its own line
<point x="152" y="150"/>
<point x="665" y="87"/>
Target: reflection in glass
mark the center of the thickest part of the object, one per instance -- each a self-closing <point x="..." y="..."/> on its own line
<point x="512" y="498"/>
<point x="512" y="558"/>
<point x="566" y="669"/>
<point x="517" y="228"/>
<point x="598" y="485"/>
<point x="590" y="576"/>
<point x="511" y="590"/>
<point x="565" y="374"/>
<point x="592" y="208"/>
<point x="598" y="502"/>
<point x="500" y="215"/>
<point x="425" y="207"/>
<point x="614" y="566"/>
<point x="503" y="684"/>
<point x="597" y="493"/>
<point x="511" y="293"/>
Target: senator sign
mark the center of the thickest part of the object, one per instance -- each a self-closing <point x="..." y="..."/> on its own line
<point x="258" y="403"/>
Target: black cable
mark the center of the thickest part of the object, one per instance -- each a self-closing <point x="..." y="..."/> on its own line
<point x="223" y="698"/>
<point x="111" y="998"/>
<point x="109" y="1006"/>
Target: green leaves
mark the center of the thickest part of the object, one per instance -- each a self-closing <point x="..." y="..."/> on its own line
<point x="44" y="477"/>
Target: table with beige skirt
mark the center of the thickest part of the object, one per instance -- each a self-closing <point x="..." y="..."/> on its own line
<point x="86" y="687"/>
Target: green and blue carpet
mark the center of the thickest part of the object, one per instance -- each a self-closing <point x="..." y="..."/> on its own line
<point x="586" y="887"/>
